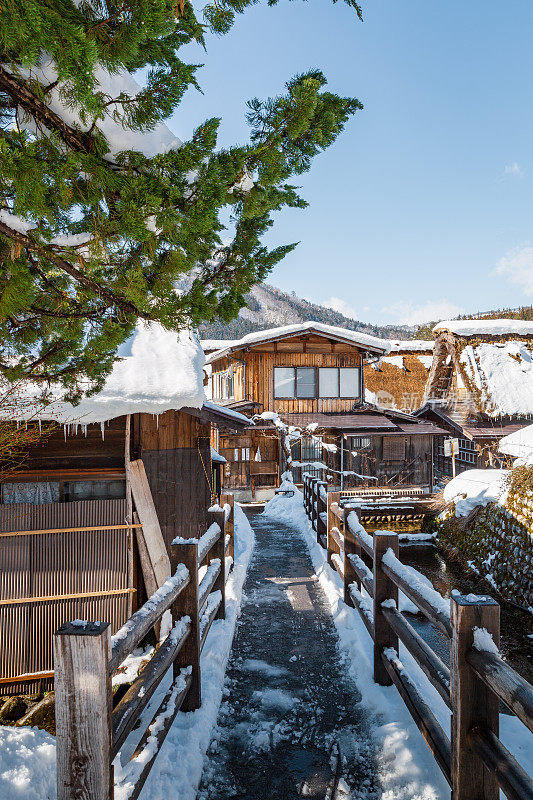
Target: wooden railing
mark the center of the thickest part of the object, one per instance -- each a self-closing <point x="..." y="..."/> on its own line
<point x="90" y="732"/>
<point x="473" y="760"/>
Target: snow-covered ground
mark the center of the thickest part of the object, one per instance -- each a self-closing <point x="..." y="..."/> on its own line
<point x="408" y="771"/>
<point x="28" y="755"/>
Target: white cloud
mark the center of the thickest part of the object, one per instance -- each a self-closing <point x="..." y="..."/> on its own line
<point x="406" y="313"/>
<point x="517" y="267"/>
<point x="513" y="169"/>
<point x="337" y="304"/>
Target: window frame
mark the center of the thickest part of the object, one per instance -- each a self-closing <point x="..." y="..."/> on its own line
<point x="317" y="395"/>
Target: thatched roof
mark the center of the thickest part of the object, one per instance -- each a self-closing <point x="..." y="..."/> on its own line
<point x="484" y="367"/>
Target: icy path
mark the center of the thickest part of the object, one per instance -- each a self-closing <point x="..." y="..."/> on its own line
<point x="290" y="710"/>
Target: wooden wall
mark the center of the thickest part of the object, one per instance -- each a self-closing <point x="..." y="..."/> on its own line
<point x="383" y="460"/>
<point x="172" y="448"/>
<point x="305" y="352"/>
<point x="79" y="448"/>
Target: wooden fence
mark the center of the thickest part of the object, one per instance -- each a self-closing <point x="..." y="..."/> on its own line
<point x="90" y="732"/>
<point x="58" y="561"/>
<point x="474" y="761"/>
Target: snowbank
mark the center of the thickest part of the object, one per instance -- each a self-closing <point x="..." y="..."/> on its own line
<point x="476" y="487"/>
<point x="520" y="445"/>
<point x="411" y="345"/>
<point x="159" y="370"/>
<point x="407" y="769"/>
<point x="28" y="755"/>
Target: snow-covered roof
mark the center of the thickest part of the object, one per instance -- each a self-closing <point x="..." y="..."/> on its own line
<point x="485" y="327"/>
<point x="367" y="342"/>
<point x="502" y="372"/>
<point x="229" y="413"/>
<point x="208" y="345"/>
<point x="411" y="345"/>
<point x="159" y="370"/>
<point x="519" y="444"/>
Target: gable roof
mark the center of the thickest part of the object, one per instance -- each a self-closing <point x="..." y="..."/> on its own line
<point x="363" y="340"/>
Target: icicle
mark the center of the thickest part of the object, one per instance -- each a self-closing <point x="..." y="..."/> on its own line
<point x="85" y="430"/>
<point x="102" y="428"/>
<point x="65" y="431"/>
<point x="157" y="421"/>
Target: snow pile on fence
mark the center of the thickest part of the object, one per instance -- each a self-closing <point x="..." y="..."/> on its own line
<point x="476" y="487"/>
<point x="158" y="370"/>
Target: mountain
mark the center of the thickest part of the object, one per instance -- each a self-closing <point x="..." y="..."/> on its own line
<point x="268" y="307"/>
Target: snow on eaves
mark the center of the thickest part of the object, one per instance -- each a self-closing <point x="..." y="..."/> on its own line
<point x="228" y="412"/>
<point x="485" y="327"/>
<point x="363" y="339"/>
<point x="159" y="370"/>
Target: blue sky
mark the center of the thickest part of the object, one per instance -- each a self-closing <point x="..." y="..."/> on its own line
<point x="423" y="207"/>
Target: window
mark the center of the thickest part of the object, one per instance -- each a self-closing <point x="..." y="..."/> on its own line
<point x="328" y="382"/>
<point x="224" y="385"/>
<point x="360" y="442"/>
<point x="301" y="382"/>
<point x="94" y="490"/>
<point x="393" y="448"/>
<point x="284" y="382"/>
<point x="305" y="382"/>
<point x="349" y="382"/>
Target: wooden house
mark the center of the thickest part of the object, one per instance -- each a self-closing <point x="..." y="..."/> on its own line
<point x="313" y="375"/>
<point x="398" y="380"/>
<point x="480" y="388"/>
<point x="138" y="452"/>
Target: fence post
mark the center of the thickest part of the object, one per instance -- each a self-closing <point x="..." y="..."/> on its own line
<point x="83" y="711"/>
<point x="321" y="506"/>
<point x="473" y="703"/>
<point x="218" y="551"/>
<point x="229" y="499"/>
<point x="333" y="497"/>
<point x="186" y="605"/>
<point x="384" y="589"/>
<point x="314" y="502"/>
<point x="350" y="547"/>
<point x="305" y="492"/>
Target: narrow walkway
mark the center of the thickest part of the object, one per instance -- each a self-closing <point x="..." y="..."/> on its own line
<point x="291" y="724"/>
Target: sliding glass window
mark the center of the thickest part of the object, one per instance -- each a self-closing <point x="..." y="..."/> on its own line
<point x="305" y="382"/>
<point x="284" y="382"/>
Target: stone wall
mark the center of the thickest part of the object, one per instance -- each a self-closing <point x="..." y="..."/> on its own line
<point x="497" y="542"/>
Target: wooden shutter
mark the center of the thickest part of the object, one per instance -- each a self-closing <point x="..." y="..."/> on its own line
<point x="393" y="448"/>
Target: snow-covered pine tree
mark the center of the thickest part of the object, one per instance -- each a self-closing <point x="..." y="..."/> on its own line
<point x="103" y="212"/>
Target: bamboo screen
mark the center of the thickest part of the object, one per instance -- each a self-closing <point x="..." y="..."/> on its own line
<point x="51" y="566"/>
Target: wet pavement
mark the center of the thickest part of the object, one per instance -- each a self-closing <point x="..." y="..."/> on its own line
<point x="291" y="724"/>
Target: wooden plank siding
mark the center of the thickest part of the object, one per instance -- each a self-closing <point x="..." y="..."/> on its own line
<point x="173" y="448"/>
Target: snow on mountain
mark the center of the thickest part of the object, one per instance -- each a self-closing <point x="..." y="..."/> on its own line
<point x="268" y="307"/>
